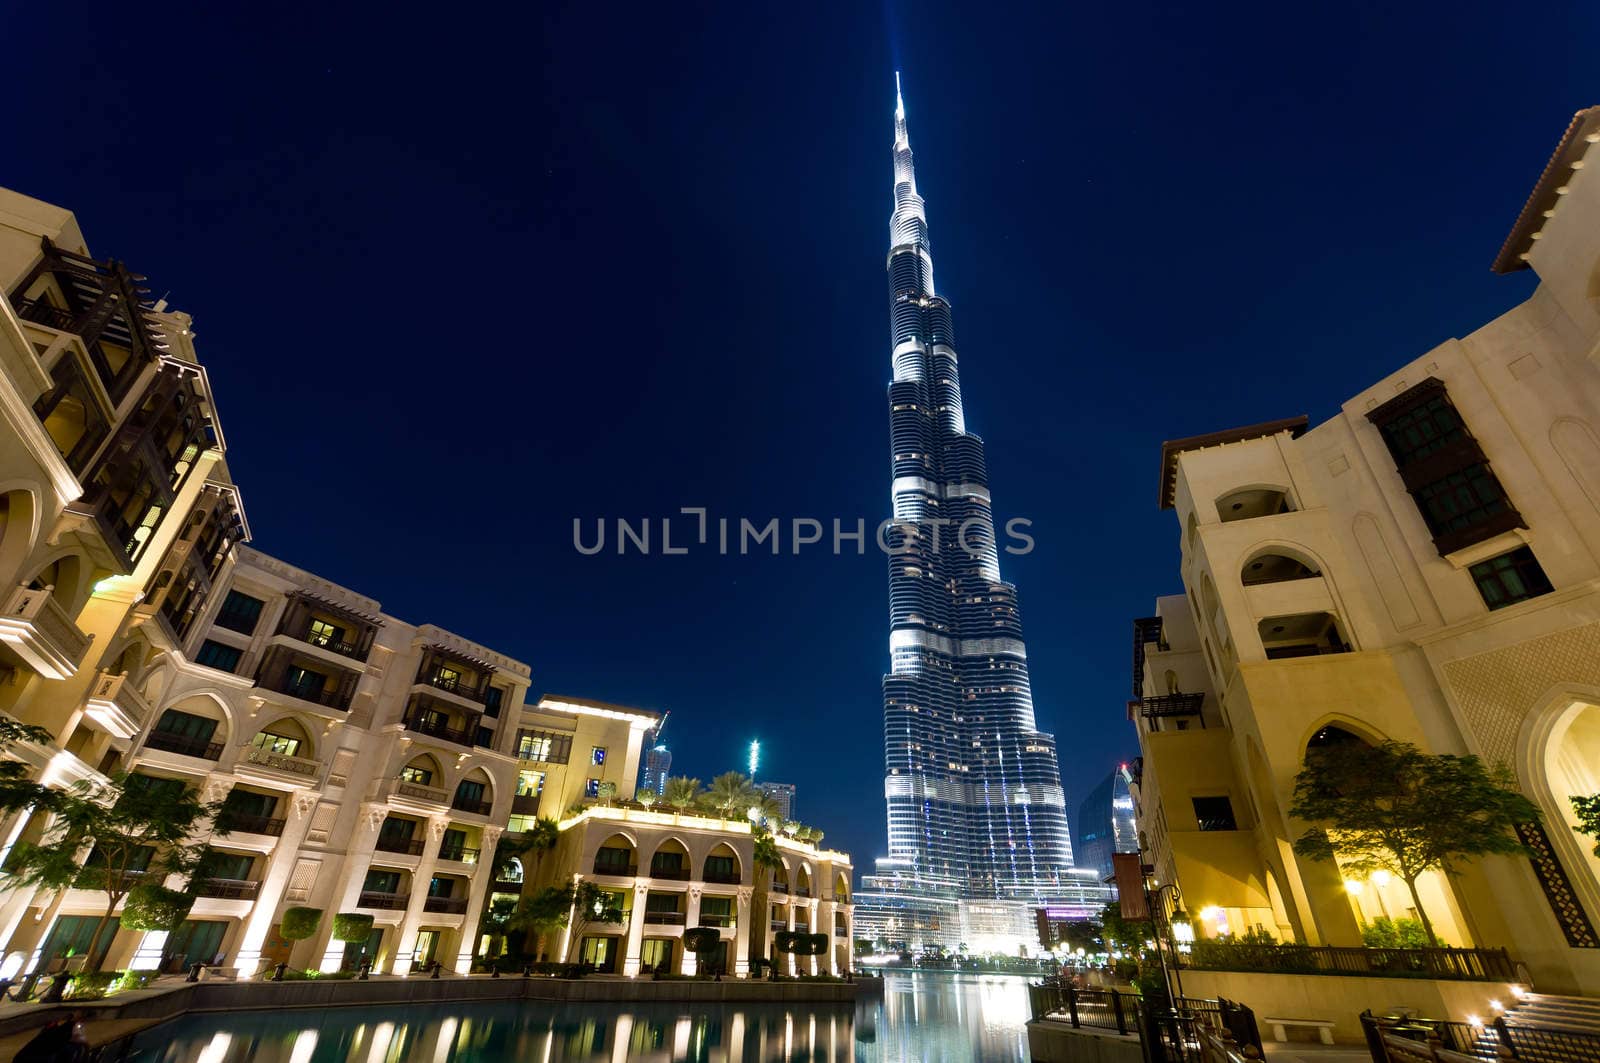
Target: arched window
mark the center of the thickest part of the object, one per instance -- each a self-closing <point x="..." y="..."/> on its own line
<point x="1275" y="566"/>
<point x="1334" y="735"/>
<point x="1253" y="502"/>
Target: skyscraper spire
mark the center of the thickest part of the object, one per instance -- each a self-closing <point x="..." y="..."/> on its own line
<point x="975" y="805"/>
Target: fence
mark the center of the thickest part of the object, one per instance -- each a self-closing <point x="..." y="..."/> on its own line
<point x="1417" y="1040"/>
<point x="1479" y="965"/>
<point x="1166" y="1034"/>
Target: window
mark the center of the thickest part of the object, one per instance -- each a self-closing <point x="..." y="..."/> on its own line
<point x="544" y="746"/>
<point x="154" y="786"/>
<point x="668" y="862"/>
<point x="236" y="866"/>
<point x="598" y="756"/>
<point x="483" y="737"/>
<point x="666" y="902"/>
<point x="397" y="830"/>
<point x="610" y="860"/>
<point x="446" y="678"/>
<point x="216" y="655"/>
<point x="276" y="743"/>
<point x="420" y="776"/>
<point x="249" y="803"/>
<point x="440" y="886"/>
<point x="1510" y="578"/>
<point x="1443" y="468"/>
<point x="380" y="881"/>
<point x="491" y="702"/>
<point x="323" y="633"/>
<point x="716" y="906"/>
<point x="452" y="844"/>
<point x="1214" y="813"/>
<point x="239" y="612"/>
<point x="591" y="788"/>
<point x="655" y="954"/>
<point x="720" y="868"/>
<point x="186" y="725"/>
<point x="530" y="783"/>
<point x="303" y="683"/>
<point x="469" y="791"/>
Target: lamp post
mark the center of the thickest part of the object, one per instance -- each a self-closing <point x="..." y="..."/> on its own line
<point x="1178" y="930"/>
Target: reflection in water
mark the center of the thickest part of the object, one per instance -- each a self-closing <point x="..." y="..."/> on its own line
<point x="928" y="1018"/>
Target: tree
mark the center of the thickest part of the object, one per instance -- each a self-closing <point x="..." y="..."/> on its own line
<point x="731" y="793"/>
<point x="542" y="914"/>
<point x="153" y="907"/>
<point x="1124" y="935"/>
<point x="606" y="792"/>
<point x="1395" y="808"/>
<point x="590" y="904"/>
<point x="495" y="923"/>
<point x="703" y="941"/>
<point x="681" y="792"/>
<point x="767" y="861"/>
<point x="128" y="831"/>
<point x="1082" y="934"/>
<point x="539" y="838"/>
<point x="298" y="924"/>
<point x="18" y="792"/>
<point x="1588" y="809"/>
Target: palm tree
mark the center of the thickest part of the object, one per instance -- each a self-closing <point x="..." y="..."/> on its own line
<point x="731" y="792"/>
<point x="681" y="792"/>
<point x="766" y="861"/>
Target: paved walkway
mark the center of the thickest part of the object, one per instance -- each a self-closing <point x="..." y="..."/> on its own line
<point x="1311" y="1052"/>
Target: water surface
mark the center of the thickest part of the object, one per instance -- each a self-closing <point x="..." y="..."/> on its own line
<point x="923" y="1017"/>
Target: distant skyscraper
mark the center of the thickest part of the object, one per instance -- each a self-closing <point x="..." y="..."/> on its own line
<point x="657" y="765"/>
<point x="976" y="808"/>
<point x="1106" y="824"/>
<point x="782" y="793"/>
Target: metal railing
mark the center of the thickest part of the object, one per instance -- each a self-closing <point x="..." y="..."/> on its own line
<point x="664" y="918"/>
<point x="1479" y="965"/>
<point x="184" y="744"/>
<point x="624" y="870"/>
<point x="408" y="846"/>
<point x="1413" y="1040"/>
<point x="723" y="920"/>
<point x="459" y="853"/>
<point x="249" y="824"/>
<point x="232" y="889"/>
<point x="282" y="761"/>
<point x="385" y="901"/>
<point x="676" y="874"/>
<point x="459" y="735"/>
<point x="328" y="642"/>
<point x="448" y="905"/>
<point x="723" y="878"/>
<point x="1103" y="1009"/>
<point x="467" y="804"/>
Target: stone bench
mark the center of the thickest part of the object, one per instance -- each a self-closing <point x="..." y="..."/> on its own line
<point x="1324" y="1028"/>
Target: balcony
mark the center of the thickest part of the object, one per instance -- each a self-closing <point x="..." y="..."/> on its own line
<point x="301" y="767"/>
<point x="231" y="822"/>
<point x="1168" y="706"/>
<point x="461" y="736"/>
<point x="447" y="905"/>
<point x="116" y="707"/>
<point x="334" y="696"/>
<point x="411" y="793"/>
<point x="388" y="902"/>
<point x="39" y="631"/>
<point x="525" y="804"/>
<point x="461" y="854"/>
<point x="404" y="846"/>
<point x="841" y="932"/>
<point x="718" y="921"/>
<point x="228" y="889"/>
<point x="332" y="645"/>
<point x="672" y="874"/>
<point x="780" y="887"/>
<point x="624" y="870"/>
<point x="664" y="918"/>
<point x="725" y="878"/>
<point x="468" y="805"/>
<point x="184" y="744"/>
<point x="42" y="313"/>
<point x="454" y="685"/>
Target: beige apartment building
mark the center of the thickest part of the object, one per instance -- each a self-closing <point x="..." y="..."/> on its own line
<point x="364" y="764"/>
<point x="1425" y="566"/>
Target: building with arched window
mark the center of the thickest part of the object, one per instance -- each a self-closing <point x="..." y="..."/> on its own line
<point x="1422" y="567"/>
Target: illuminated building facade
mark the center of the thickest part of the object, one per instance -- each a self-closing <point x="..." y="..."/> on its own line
<point x="975" y="803"/>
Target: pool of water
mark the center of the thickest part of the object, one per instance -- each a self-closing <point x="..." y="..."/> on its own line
<point x="928" y="1018"/>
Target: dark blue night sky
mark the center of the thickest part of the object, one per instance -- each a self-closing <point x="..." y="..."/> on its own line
<point x="463" y="275"/>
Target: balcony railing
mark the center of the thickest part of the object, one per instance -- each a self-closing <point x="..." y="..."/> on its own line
<point x="615" y="869"/>
<point x="456" y="685"/>
<point x="1472" y="965"/>
<point x="780" y="887"/>
<point x="42" y="313"/>
<point x="415" y="791"/>
<point x="333" y="645"/>
<point x="462" y="736"/>
<point x="184" y="744"/>
<point x="389" y="902"/>
<point x="449" y="905"/>
<point x="716" y="920"/>
<point x="841" y="932"/>
<point x="525" y="804"/>
<point x="329" y="695"/>
<point x="459" y="853"/>
<point x="1162" y="706"/>
<point x="39" y="630"/>
<point x="265" y="758"/>
<point x="467" y="804"/>
<point x="406" y="846"/>
<point x="676" y="874"/>
<point x="230" y="889"/>
<point x="239" y="822"/>
<point x="664" y="918"/>
<point x="723" y="878"/>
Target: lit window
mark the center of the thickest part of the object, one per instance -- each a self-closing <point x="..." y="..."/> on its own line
<point x="420" y="776"/>
<point x="591" y="788"/>
<point x="276" y="743"/>
<point x="598" y="757"/>
<point x="1510" y="578"/>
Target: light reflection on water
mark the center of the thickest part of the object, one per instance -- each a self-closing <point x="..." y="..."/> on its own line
<point x="926" y="1018"/>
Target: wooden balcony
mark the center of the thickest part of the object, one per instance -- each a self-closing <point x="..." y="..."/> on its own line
<point x="39" y="631"/>
<point x="115" y="706"/>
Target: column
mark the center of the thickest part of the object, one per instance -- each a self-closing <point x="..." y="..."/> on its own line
<point x="274" y="880"/>
<point x="825" y="917"/>
<point x="406" y="940"/>
<point x="789" y="961"/>
<point x="477" y="900"/>
<point x="691" y="918"/>
<point x="353" y="872"/>
<point x="741" y="934"/>
<point x="811" y="927"/>
<point x="631" y="956"/>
